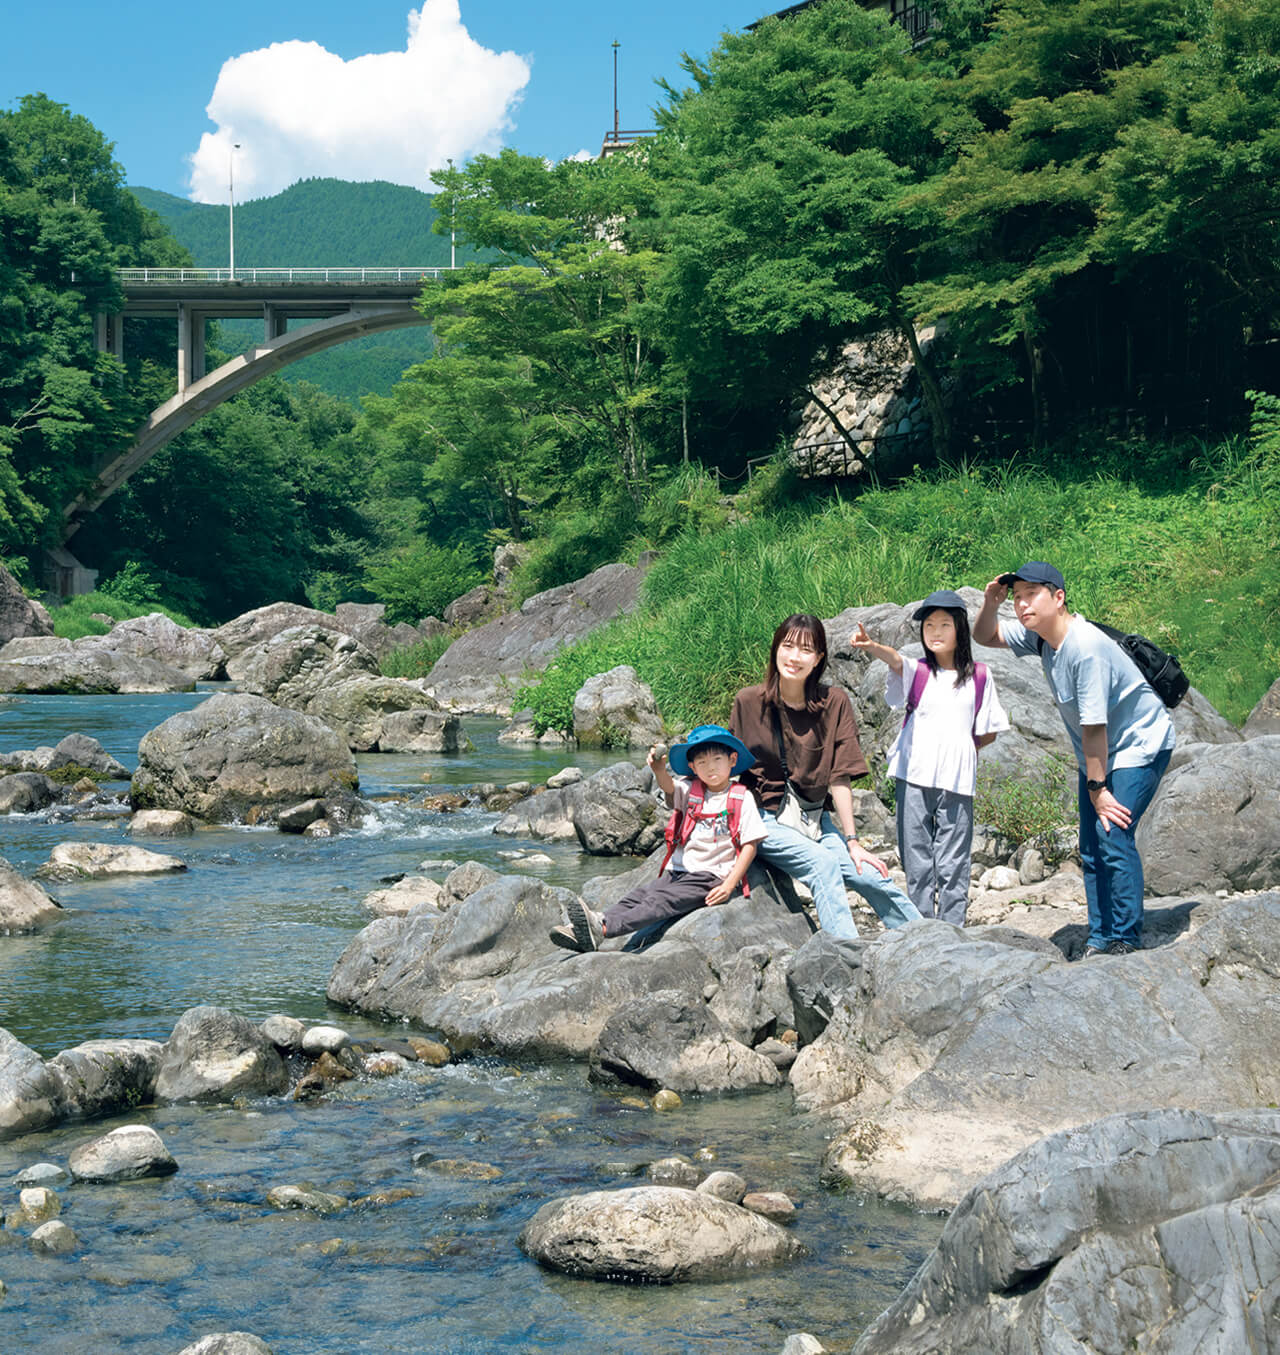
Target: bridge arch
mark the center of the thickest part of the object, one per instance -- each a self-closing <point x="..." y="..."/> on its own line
<point x="356" y="316"/>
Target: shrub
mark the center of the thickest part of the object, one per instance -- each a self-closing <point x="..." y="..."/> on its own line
<point x="1027" y="808"/>
<point x="417" y="660"/>
<point x="422" y="580"/>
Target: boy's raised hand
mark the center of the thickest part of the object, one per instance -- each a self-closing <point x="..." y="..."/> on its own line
<point x="657" y="757"/>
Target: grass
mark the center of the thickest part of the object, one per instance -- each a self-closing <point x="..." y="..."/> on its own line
<point x="1182" y="549"/>
<point x="73" y="618"/>
<point x="418" y="660"/>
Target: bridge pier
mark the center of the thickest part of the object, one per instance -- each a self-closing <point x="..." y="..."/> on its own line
<point x="108" y="334"/>
<point x="190" y="345"/>
<point x="277" y="321"/>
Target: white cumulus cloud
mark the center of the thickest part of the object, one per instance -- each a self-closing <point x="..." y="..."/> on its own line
<point x="298" y="111"/>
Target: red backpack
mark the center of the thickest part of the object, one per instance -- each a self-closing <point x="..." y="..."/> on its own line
<point x="682" y="822"/>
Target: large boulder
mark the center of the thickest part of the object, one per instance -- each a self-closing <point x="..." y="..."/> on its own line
<point x="234" y="754"/>
<point x="1215" y="821"/>
<point x="952" y="1050"/>
<point x="19" y="615"/>
<point x="31" y="1097"/>
<point x="1155" y="1231"/>
<point x="24" y="905"/>
<point x="329" y="674"/>
<point x="26" y="792"/>
<point x="155" y="636"/>
<point x="252" y="629"/>
<point x="658" y="1234"/>
<point x="616" y="710"/>
<point x="485" y="973"/>
<point x="105" y="1077"/>
<point x="215" y="1055"/>
<point x="480" y="670"/>
<point x="89" y="669"/>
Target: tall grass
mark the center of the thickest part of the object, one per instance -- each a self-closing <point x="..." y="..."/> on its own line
<point x="74" y="617"/>
<point x="1185" y="555"/>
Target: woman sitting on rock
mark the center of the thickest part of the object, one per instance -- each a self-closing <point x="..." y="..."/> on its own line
<point x="805" y="742"/>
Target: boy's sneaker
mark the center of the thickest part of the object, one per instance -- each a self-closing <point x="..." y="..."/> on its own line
<point x="587" y="924"/>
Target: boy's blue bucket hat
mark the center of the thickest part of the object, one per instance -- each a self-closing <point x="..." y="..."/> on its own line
<point x="679" y="754"/>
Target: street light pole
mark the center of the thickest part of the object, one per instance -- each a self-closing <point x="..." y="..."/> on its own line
<point x="231" y="203"/>
<point x="616" y="45"/>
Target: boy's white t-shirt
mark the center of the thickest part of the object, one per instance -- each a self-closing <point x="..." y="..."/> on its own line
<point x="710" y="848"/>
<point x="935" y="748"/>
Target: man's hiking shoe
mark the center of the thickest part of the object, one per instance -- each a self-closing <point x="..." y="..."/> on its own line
<point x="1121" y="948"/>
<point x="1092" y="952"/>
<point x="587" y="925"/>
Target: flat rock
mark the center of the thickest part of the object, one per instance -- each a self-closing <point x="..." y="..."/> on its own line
<point x="97" y="860"/>
<point x="105" y="1077"/>
<point x="162" y="823"/>
<point x="228" y="1343"/>
<point x="90" y="670"/>
<point x="155" y="636"/>
<point x="125" y="1154"/>
<point x="653" y="1233"/>
<point x="414" y="891"/>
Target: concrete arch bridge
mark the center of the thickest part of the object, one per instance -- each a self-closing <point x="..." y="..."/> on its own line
<point x="338" y="303"/>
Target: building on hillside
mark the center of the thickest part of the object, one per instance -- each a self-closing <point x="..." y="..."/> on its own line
<point x="916" y="19"/>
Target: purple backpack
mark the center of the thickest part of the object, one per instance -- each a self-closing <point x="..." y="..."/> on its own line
<point x="921" y="678"/>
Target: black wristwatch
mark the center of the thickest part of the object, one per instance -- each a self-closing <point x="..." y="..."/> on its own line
<point x="1091" y="786"/>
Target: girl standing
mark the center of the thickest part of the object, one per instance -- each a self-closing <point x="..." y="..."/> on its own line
<point x="951" y="712"/>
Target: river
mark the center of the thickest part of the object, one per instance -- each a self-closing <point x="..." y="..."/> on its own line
<point x="256" y="925"/>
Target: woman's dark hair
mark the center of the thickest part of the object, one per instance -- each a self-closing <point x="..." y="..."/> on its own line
<point x="814" y="633"/>
<point x="964" y="644"/>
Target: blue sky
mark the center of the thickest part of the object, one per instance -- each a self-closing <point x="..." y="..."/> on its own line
<point x="346" y="89"/>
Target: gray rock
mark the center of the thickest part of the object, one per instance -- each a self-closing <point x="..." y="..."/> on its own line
<point x="318" y="1040"/>
<point x="1149" y="1231"/>
<point x="802" y="1343"/>
<point x="54" y="1238"/>
<point x="507" y="558"/>
<point x="300" y="816"/>
<point x="306" y="1197"/>
<point x="236" y="754"/>
<point x="652" y="1233"/>
<point x="215" y="1055"/>
<point x="616" y="710"/>
<point x="673" y="1171"/>
<point x="74" y="750"/>
<point x="99" y="860"/>
<point x="24" y="905"/>
<point x="1264" y="718"/>
<point x="668" y="1039"/>
<point x="251" y="629"/>
<point x="478" y="605"/>
<point x="821" y="971"/>
<point x="479" y="671"/>
<point x="724" y="1186"/>
<point x="423" y="729"/>
<point x="566" y="776"/>
<point x="105" y="1077"/>
<point x="162" y="823"/>
<point x="485" y="972"/>
<point x="42" y="1174"/>
<point x="464" y="880"/>
<point x="404" y="896"/>
<point x="90" y="670"/>
<point x="125" y="1154"/>
<point x="948" y="1055"/>
<point x="24" y="647"/>
<point x="31" y="1097"/>
<point x="27" y="792"/>
<point x="18" y="614"/>
<point x="285" y="1032"/>
<point x="194" y="652"/>
<point x="1214" y="822"/>
<point x="228" y="1343"/>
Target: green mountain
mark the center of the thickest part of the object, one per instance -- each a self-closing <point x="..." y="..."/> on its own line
<point x="320" y="223"/>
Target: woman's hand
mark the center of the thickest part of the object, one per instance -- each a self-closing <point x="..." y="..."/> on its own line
<point x="860" y="857"/>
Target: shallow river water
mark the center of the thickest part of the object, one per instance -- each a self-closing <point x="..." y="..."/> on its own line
<point x="256" y="925"/>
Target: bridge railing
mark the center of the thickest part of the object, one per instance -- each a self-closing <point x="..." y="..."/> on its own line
<point x="276" y="277"/>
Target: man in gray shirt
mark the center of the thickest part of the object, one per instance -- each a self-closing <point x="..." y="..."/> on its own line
<point x="1119" y="728"/>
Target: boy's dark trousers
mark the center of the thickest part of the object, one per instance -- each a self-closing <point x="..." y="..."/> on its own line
<point x="669" y="896"/>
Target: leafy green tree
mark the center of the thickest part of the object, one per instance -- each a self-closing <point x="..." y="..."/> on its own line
<point x="782" y="207"/>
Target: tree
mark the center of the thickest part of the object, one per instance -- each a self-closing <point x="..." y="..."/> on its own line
<point x="782" y="212"/>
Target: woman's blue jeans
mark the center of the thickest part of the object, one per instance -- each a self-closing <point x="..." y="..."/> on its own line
<point x="1113" y="882"/>
<point x="825" y="869"/>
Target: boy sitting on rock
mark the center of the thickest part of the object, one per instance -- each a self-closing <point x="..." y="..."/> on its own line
<point x="711" y="841"/>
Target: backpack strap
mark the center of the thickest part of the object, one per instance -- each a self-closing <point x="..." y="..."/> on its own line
<point x="737" y="794"/>
<point x="919" y="681"/>
<point x="682" y="822"/>
<point x="980" y="674"/>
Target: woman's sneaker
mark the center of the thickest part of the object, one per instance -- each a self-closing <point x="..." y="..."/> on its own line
<point x="585" y="929"/>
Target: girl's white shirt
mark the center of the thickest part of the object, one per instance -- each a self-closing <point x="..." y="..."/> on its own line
<point x="936" y="748"/>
